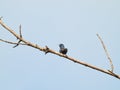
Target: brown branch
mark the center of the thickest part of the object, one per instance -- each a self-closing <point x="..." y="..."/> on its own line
<point x="9" y="42"/>
<point x="20" y="37"/>
<point x="105" y="49"/>
<point x="46" y="50"/>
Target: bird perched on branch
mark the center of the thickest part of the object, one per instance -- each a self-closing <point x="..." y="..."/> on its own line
<point x="62" y="50"/>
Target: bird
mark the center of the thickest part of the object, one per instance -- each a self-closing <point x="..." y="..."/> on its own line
<point x="63" y="50"/>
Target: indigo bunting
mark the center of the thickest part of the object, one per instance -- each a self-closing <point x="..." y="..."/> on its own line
<point x="62" y="50"/>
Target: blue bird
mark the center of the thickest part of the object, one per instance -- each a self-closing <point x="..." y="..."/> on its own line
<point x="62" y="50"/>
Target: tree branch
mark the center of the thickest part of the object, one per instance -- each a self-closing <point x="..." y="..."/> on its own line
<point x="20" y="37"/>
<point x="9" y="42"/>
<point x="105" y="49"/>
<point x="48" y="50"/>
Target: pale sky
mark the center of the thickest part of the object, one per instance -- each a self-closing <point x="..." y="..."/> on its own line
<point x="51" y="22"/>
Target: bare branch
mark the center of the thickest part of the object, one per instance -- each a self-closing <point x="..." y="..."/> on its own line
<point x="11" y="42"/>
<point x="17" y="44"/>
<point x="20" y="31"/>
<point x="105" y="49"/>
<point x="46" y="50"/>
<point x="20" y="37"/>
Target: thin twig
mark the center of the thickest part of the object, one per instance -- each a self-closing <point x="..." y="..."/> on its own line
<point x="11" y="42"/>
<point x="105" y="49"/>
<point x="20" y="37"/>
<point x="17" y="44"/>
<point x="47" y="50"/>
<point x="20" y="31"/>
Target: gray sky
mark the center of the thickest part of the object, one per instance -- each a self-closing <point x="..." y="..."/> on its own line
<point x="51" y="22"/>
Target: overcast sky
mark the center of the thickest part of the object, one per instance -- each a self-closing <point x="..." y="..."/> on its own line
<point x="74" y="23"/>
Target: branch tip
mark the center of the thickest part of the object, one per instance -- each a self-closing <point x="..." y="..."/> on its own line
<point x="20" y="31"/>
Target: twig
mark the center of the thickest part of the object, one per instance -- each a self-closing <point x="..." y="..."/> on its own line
<point x="11" y="42"/>
<point x="17" y="44"/>
<point x="20" y="37"/>
<point x="20" y="31"/>
<point x="105" y="49"/>
<point x="56" y="53"/>
<point x="47" y="50"/>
